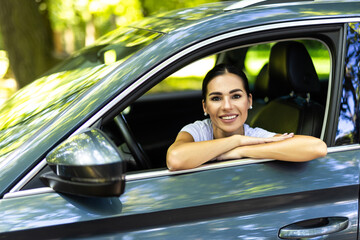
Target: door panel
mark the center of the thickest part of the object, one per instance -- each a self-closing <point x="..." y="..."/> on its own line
<point x="247" y="202"/>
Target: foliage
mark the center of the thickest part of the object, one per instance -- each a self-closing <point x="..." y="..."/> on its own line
<point x="104" y="14"/>
<point x="80" y="22"/>
<point x="100" y="16"/>
<point x="77" y="23"/>
<point x="151" y="7"/>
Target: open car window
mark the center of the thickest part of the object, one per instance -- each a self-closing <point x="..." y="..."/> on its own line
<point x="156" y="118"/>
<point x="153" y="121"/>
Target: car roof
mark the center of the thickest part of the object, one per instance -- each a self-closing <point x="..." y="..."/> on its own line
<point x="261" y="11"/>
<point x="242" y="4"/>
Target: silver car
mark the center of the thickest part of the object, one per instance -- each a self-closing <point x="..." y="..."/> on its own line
<point x="82" y="149"/>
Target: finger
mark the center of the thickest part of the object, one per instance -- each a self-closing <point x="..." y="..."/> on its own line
<point x="288" y="134"/>
<point x="275" y="139"/>
<point x="281" y="138"/>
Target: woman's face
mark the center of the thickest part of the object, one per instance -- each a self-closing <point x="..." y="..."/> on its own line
<point x="227" y="104"/>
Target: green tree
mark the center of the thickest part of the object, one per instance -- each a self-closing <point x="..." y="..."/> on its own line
<point x="151" y="7"/>
<point x="38" y="33"/>
<point x="77" y="23"/>
<point x="27" y="37"/>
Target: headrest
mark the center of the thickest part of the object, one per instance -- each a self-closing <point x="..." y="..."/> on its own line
<point x="261" y="85"/>
<point x="291" y="69"/>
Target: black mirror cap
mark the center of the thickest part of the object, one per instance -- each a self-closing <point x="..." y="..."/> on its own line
<point x="90" y="173"/>
<point x="113" y="188"/>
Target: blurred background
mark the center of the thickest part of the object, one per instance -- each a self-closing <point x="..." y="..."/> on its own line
<point x="37" y="34"/>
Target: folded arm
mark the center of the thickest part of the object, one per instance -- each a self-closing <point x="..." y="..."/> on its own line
<point x="297" y="149"/>
<point x="184" y="153"/>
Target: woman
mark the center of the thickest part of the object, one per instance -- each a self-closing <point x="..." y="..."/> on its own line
<point x="226" y="99"/>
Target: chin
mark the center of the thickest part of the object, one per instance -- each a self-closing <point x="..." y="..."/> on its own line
<point x="233" y="129"/>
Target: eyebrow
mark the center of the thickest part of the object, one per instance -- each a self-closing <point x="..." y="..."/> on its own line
<point x="232" y="91"/>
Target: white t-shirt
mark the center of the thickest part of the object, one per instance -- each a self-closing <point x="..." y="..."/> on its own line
<point x="203" y="131"/>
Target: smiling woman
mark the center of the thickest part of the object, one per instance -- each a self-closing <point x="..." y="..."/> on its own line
<point x="223" y="136"/>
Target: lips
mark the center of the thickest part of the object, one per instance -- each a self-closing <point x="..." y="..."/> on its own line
<point x="228" y="117"/>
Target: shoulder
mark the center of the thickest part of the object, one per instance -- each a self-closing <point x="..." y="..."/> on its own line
<point x="200" y="130"/>
<point x="200" y="124"/>
<point x="257" y="132"/>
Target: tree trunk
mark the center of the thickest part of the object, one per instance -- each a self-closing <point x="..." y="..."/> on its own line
<point x="27" y="37"/>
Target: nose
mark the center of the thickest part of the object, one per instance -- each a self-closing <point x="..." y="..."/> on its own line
<point x="227" y="103"/>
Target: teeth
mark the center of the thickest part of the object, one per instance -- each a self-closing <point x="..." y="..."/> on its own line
<point x="229" y="117"/>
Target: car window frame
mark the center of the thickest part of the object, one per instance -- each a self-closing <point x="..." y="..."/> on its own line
<point x="345" y="56"/>
<point x="198" y="50"/>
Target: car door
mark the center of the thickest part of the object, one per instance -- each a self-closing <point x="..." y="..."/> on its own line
<point x="245" y="199"/>
<point x="253" y="201"/>
<point x="221" y="201"/>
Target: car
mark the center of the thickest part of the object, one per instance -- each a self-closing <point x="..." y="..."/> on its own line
<point x="83" y="148"/>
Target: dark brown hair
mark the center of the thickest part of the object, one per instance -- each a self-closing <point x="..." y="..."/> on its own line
<point x="222" y="69"/>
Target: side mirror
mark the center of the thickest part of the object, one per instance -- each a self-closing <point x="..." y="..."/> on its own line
<point x="86" y="164"/>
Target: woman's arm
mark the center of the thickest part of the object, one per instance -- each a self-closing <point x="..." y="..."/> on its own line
<point x="297" y="149"/>
<point x="184" y="153"/>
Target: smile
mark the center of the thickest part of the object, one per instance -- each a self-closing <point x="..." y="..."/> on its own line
<point x="228" y="117"/>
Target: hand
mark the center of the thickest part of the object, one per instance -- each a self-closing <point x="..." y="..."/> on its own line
<point x="236" y="153"/>
<point x="245" y="140"/>
<point x="232" y="154"/>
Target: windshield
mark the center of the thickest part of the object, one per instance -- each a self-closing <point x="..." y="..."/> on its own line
<point x="33" y="106"/>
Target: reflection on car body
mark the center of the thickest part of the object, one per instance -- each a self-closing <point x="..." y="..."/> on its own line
<point x="132" y="74"/>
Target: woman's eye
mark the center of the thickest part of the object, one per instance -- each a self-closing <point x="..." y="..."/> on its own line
<point x="215" y="99"/>
<point x="236" y="96"/>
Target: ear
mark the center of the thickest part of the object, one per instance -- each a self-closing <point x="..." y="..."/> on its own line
<point x="250" y="99"/>
<point x="204" y="106"/>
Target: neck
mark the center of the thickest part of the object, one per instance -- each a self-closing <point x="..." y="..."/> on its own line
<point x="218" y="133"/>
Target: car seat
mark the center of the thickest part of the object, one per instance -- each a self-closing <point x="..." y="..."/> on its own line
<point x="263" y="93"/>
<point x="292" y="75"/>
<point x="260" y="94"/>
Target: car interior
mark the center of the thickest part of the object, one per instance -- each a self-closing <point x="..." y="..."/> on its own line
<point x="289" y="95"/>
